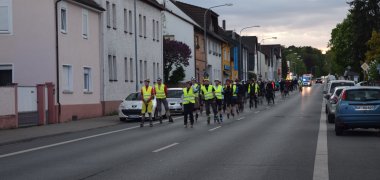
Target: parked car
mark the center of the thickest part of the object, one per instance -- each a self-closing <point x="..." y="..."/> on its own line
<point x="331" y="102"/>
<point x="358" y="107"/>
<point x="175" y="100"/>
<point x="329" y="88"/>
<point x="130" y="108"/>
<point x="318" y="80"/>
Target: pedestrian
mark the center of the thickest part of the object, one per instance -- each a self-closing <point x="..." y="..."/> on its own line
<point x="208" y="92"/>
<point x="253" y="91"/>
<point x="219" y="99"/>
<point x="147" y="104"/>
<point x="269" y="92"/>
<point x="196" y="89"/>
<point x="228" y="93"/>
<point x="161" y="92"/>
<point x="240" y="96"/>
<point x="188" y="104"/>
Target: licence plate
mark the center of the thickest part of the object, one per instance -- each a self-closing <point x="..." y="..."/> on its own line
<point x="364" y="108"/>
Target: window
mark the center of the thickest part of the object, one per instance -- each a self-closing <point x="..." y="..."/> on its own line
<point x="85" y="23"/>
<point x="5" y="16"/>
<point x="126" y="69"/>
<point x="130" y="22"/>
<point x="154" y="30"/>
<point x="141" y="72"/>
<point x="63" y="20"/>
<point x="114" y="16"/>
<point x="112" y="68"/>
<point x="140" y="25"/>
<point x="158" y="32"/>
<point x="108" y="14"/>
<point x="145" y="70"/>
<point x="131" y="69"/>
<point x="87" y="79"/>
<point x="6" y="74"/>
<point x="67" y="78"/>
<point x="144" y="26"/>
<point x="125" y="20"/>
<point x="158" y="70"/>
<point x="154" y="71"/>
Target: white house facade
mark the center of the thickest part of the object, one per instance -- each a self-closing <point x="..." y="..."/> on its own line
<point x="172" y="19"/>
<point x="123" y="71"/>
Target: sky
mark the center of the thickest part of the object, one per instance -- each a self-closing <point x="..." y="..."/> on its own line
<point x="293" y="22"/>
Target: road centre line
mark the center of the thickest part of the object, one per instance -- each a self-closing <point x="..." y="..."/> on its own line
<point x="241" y="118"/>
<point x="166" y="147"/>
<point x="321" y="165"/>
<point x="70" y="141"/>
<point x="213" y="129"/>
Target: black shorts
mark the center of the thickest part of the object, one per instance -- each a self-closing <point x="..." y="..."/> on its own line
<point x="234" y="100"/>
<point x="219" y="104"/>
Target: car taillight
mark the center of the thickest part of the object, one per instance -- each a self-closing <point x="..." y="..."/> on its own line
<point x="344" y="95"/>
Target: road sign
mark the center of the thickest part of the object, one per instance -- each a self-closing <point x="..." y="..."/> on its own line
<point x="365" y="66"/>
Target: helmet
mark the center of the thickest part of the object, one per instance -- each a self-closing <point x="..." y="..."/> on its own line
<point x="193" y="78"/>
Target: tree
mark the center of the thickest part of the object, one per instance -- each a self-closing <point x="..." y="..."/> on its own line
<point x="177" y="75"/>
<point x="373" y="56"/>
<point x="176" y="54"/>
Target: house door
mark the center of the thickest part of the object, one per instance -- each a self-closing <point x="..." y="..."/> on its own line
<point x="27" y="106"/>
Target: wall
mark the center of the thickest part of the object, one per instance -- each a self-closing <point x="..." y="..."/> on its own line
<point x="214" y="59"/>
<point x="31" y="46"/>
<point x="199" y="56"/>
<point x="8" y="107"/>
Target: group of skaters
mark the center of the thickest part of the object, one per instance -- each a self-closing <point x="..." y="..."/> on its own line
<point x="228" y="99"/>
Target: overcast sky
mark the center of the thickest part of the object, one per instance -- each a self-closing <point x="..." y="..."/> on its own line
<point x="293" y="22"/>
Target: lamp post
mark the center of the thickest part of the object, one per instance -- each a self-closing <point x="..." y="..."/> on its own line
<point x="240" y="50"/>
<point x="205" y="31"/>
<point x="262" y="40"/>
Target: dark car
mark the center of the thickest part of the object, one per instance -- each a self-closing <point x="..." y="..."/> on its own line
<point x="318" y="80"/>
<point x="358" y="107"/>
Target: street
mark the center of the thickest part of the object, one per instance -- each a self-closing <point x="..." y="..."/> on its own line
<point x="271" y="142"/>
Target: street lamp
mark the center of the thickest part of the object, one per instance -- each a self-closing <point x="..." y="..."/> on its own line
<point x="240" y="50"/>
<point x="262" y="40"/>
<point x="205" y="30"/>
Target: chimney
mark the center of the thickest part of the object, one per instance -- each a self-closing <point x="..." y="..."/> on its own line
<point x="224" y="24"/>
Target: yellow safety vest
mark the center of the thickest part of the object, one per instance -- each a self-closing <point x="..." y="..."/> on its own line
<point x="147" y="93"/>
<point x="160" y="93"/>
<point x="207" y="93"/>
<point x="233" y="89"/>
<point x="188" y="96"/>
<point x="256" y="86"/>
<point x="218" y="92"/>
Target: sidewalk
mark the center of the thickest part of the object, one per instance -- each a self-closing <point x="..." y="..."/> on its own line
<point x="10" y="136"/>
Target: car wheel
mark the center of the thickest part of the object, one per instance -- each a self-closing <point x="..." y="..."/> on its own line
<point x="123" y="119"/>
<point x="330" y="118"/>
<point x="338" y="130"/>
<point x="326" y="109"/>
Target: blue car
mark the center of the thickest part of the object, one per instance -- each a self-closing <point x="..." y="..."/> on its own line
<point x="358" y="107"/>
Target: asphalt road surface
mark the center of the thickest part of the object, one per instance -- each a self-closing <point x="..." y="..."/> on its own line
<point x="272" y="142"/>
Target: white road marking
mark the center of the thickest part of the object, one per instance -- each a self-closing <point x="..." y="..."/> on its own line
<point x="66" y="142"/>
<point x="70" y="141"/>
<point x="213" y="129"/>
<point x="321" y="165"/>
<point x="241" y="118"/>
<point x="166" y="147"/>
<point x="257" y="112"/>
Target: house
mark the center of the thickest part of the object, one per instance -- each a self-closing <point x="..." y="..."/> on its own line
<point x="239" y="57"/>
<point x="172" y="18"/>
<point x="251" y="43"/>
<point x="54" y="43"/>
<point x="209" y="54"/>
<point x="132" y="48"/>
<point x="273" y="52"/>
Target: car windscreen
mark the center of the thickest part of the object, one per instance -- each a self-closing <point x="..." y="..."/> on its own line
<point x="337" y="84"/>
<point x="363" y="95"/>
<point x="133" y="97"/>
<point x="175" y="93"/>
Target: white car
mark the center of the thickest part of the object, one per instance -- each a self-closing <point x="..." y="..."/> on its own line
<point x="131" y="106"/>
<point x="331" y="102"/>
<point x="330" y="87"/>
<point x="175" y="100"/>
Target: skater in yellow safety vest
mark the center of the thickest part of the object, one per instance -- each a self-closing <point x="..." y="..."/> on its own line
<point x="208" y="93"/>
<point x="161" y="92"/>
<point x="188" y="104"/>
<point x="147" y="104"/>
<point x="196" y="89"/>
<point x="219" y="100"/>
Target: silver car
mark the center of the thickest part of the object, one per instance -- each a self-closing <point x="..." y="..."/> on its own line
<point x="330" y="87"/>
<point x="174" y="98"/>
<point x="331" y="102"/>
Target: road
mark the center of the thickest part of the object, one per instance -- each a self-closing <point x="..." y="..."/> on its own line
<point x="272" y="142"/>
